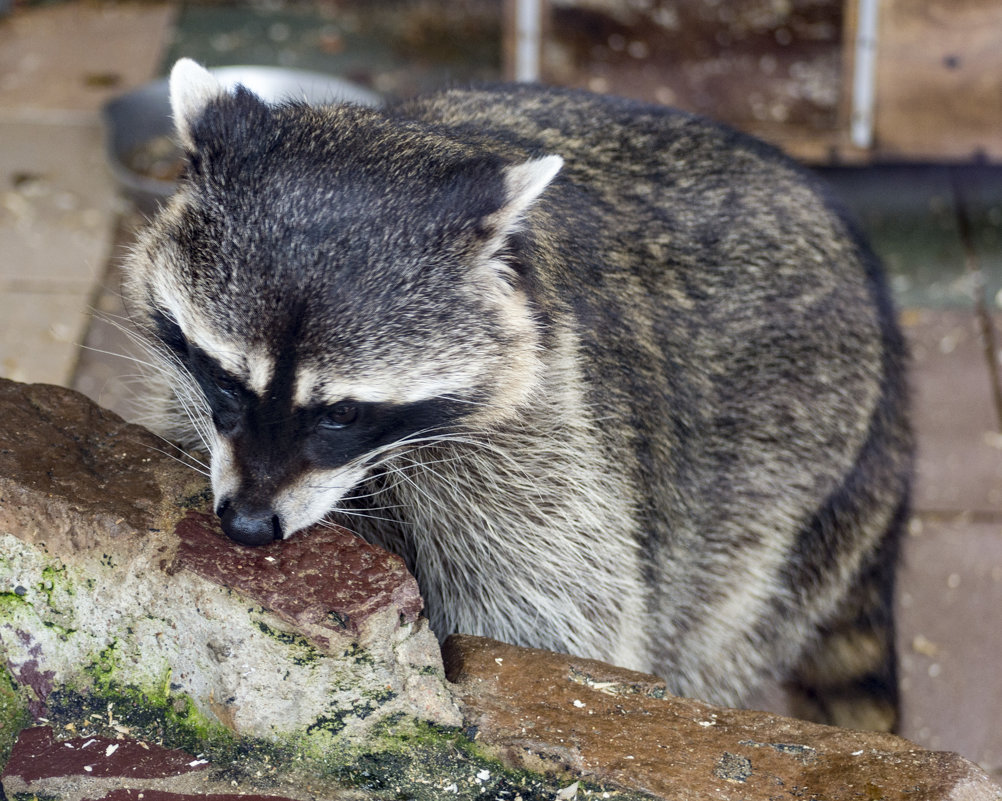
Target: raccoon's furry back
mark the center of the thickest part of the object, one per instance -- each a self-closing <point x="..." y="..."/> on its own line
<point x="736" y="358"/>
<point x="695" y="461"/>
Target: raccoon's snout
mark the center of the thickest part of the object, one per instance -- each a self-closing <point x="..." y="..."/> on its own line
<point x="249" y="527"/>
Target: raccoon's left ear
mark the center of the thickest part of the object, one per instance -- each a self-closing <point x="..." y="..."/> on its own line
<point x="523" y="184"/>
<point x="192" y="88"/>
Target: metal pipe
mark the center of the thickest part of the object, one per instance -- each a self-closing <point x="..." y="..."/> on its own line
<point x="864" y="74"/>
<point x="528" y="38"/>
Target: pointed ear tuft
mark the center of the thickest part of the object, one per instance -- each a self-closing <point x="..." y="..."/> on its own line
<point x="192" y="88"/>
<point x="524" y="183"/>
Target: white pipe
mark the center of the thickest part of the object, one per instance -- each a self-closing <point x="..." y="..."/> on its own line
<point x="528" y="35"/>
<point x="864" y="74"/>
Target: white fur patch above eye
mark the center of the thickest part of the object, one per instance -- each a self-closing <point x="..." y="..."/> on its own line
<point x="304" y="388"/>
<point x="260" y="367"/>
<point x="253" y="366"/>
<point x="313" y="386"/>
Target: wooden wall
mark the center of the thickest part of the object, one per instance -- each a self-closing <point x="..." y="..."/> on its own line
<point x="937" y="81"/>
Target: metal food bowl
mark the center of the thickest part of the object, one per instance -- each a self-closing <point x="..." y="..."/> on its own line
<point x="143" y="155"/>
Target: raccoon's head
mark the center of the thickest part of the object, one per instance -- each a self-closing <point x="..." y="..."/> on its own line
<point x="327" y="284"/>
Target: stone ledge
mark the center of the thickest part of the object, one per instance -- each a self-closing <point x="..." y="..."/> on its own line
<point x="570" y="717"/>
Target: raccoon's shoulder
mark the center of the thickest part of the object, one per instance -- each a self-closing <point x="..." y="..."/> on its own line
<point x="577" y="122"/>
<point x="532" y="107"/>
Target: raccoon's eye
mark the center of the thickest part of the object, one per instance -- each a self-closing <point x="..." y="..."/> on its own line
<point x="219" y="386"/>
<point x="227" y="388"/>
<point x="340" y="415"/>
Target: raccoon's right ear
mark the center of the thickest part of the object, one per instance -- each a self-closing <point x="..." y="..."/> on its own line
<point x="524" y="183"/>
<point x="192" y="89"/>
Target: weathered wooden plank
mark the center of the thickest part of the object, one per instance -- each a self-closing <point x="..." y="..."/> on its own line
<point x="939" y="79"/>
<point x="938" y="76"/>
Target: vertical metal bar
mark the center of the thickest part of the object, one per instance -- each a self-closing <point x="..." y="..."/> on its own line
<point x="528" y="39"/>
<point x="864" y="74"/>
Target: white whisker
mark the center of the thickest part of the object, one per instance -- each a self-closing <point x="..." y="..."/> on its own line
<point x="161" y="367"/>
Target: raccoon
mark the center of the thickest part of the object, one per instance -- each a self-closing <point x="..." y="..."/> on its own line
<point x="613" y="379"/>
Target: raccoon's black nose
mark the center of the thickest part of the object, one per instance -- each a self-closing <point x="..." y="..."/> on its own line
<point x="249" y="527"/>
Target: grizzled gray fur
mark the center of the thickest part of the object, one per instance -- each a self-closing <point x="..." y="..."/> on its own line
<point x="613" y="379"/>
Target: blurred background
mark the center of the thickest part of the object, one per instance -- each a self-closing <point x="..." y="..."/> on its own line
<point x="897" y="103"/>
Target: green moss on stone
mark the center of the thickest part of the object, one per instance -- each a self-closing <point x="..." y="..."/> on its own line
<point x="424" y="762"/>
<point x="199" y="499"/>
<point x="307" y="653"/>
<point x="171" y="722"/>
<point x="17" y="597"/>
<point x="176" y="722"/>
<point x="55" y="574"/>
<point x="63" y="632"/>
<point x="333" y="724"/>
<point x="13" y="714"/>
<point x="336" y="720"/>
<point x="103" y="665"/>
<point x="402" y="758"/>
<point x="380" y="696"/>
<point x="358" y="655"/>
